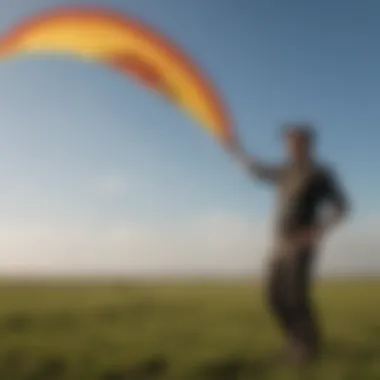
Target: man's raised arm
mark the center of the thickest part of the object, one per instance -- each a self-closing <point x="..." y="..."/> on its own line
<point x="256" y="168"/>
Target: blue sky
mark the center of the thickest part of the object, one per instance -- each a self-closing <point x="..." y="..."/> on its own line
<point x="84" y="152"/>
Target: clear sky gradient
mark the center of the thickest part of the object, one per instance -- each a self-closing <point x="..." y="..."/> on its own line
<point x="99" y="175"/>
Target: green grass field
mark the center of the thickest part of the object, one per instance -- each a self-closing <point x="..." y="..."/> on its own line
<point x="177" y="332"/>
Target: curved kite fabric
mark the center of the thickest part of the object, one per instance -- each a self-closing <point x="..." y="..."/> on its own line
<point x="130" y="47"/>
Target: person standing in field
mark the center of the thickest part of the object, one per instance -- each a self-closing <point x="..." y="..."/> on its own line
<point x="304" y="186"/>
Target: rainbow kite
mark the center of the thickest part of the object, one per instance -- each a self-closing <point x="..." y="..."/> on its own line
<point x="130" y="47"/>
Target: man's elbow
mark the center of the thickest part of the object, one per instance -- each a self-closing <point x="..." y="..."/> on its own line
<point x="343" y="211"/>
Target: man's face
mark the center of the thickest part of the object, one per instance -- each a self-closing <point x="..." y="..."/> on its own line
<point x="298" y="147"/>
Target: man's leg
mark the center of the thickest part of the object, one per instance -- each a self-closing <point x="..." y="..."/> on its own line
<point x="304" y="325"/>
<point x="278" y="300"/>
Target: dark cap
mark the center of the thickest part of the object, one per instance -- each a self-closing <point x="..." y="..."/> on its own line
<point x="299" y="129"/>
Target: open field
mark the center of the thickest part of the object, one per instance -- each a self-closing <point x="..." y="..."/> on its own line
<point x="177" y="332"/>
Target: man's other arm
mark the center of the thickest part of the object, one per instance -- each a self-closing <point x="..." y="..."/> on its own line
<point x="337" y="201"/>
<point x="338" y="209"/>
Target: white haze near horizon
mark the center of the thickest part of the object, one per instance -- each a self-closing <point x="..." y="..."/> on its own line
<point x="222" y="245"/>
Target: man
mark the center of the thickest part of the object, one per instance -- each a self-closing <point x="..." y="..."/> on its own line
<point x="303" y="187"/>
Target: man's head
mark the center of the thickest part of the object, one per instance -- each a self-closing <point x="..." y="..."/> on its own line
<point x="299" y="140"/>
